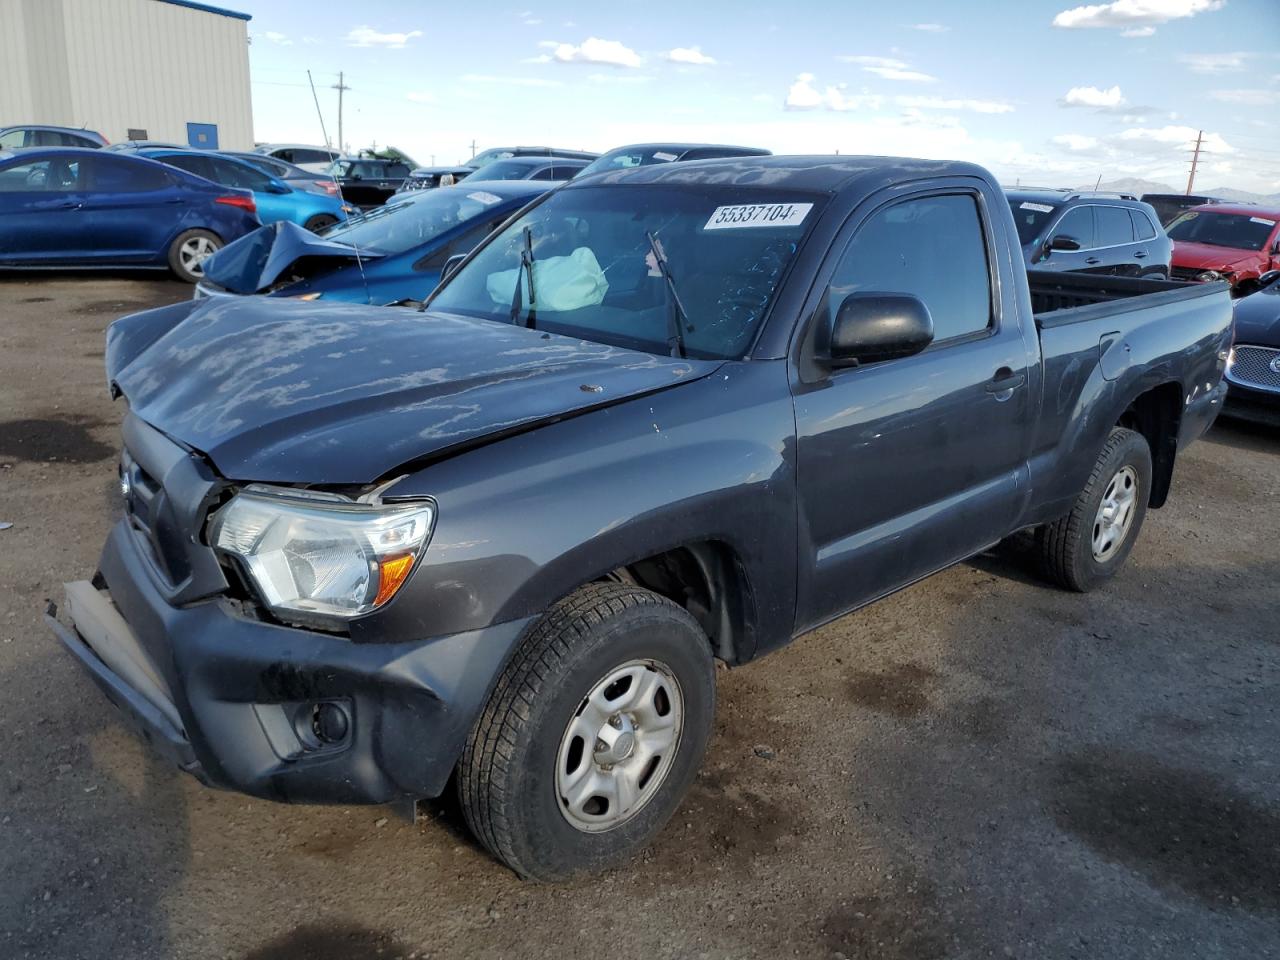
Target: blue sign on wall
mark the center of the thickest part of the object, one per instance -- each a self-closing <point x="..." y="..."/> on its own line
<point x="203" y="136"/>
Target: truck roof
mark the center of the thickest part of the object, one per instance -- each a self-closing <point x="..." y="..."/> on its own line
<point x="822" y="174"/>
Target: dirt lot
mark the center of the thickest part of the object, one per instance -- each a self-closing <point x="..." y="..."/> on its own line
<point x="980" y="766"/>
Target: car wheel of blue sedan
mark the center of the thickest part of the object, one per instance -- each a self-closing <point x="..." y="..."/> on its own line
<point x="189" y="251"/>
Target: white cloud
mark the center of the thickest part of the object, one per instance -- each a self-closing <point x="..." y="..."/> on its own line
<point x="488" y="78"/>
<point x="1075" y="141"/>
<point x="692" y="55"/>
<point x="1250" y="98"/>
<point x="1093" y="97"/>
<point x="416" y="96"/>
<point x="366" y="36"/>
<point x="1131" y="14"/>
<point x="803" y="95"/>
<point x="1216" y="62"/>
<point x="930" y="27"/>
<point x="277" y="38"/>
<point x="531" y="21"/>
<point x="1175" y="136"/>
<point x="940" y="103"/>
<point x="618" y="78"/>
<point x="594" y="50"/>
<point x="888" y="67"/>
<point x="1138" y="32"/>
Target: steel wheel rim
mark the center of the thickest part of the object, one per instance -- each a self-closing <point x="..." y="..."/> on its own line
<point x="193" y="254"/>
<point x="1115" y="514"/>
<point x="619" y="746"/>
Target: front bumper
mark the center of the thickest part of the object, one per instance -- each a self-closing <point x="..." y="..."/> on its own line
<point x="234" y="699"/>
<point x="1258" y="406"/>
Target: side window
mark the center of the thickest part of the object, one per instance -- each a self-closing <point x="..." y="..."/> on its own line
<point x="933" y="248"/>
<point x="463" y="243"/>
<point x="1078" y="225"/>
<point x="238" y="175"/>
<point x="54" y="174"/>
<point x="197" y="165"/>
<point x="117" y="175"/>
<point x="13" y="139"/>
<point x="47" y="138"/>
<point x="1114" y="226"/>
<point x="1142" y="226"/>
<point x="291" y="156"/>
<point x="546" y="173"/>
<point x="397" y="170"/>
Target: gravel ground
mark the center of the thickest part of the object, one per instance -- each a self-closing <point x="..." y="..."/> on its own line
<point x="979" y="766"/>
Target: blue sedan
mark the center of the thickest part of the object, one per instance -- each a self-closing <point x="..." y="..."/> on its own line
<point x="276" y="199"/>
<point x="74" y="207"/>
<point x="393" y="253"/>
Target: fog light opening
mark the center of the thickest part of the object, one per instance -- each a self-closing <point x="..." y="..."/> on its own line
<point x="329" y="723"/>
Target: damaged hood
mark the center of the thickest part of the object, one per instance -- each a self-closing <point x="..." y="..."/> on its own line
<point x="294" y="392"/>
<point x="1204" y="256"/>
<point x="257" y="260"/>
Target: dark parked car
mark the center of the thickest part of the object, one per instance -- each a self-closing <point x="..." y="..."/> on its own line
<point x="90" y="208"/>
<point x="1111" y="234"/>
<point x="392" y="254"/>
<point x="673" y="415"/>
<point x="1235" y="242"/>
<point x="1169" y="205"/>
<point x="369" y="182"/>
<point x="428" y="178"/>
<point x="643" y="154"/>
<point x="38" y="135"/>
<point x="1253" y="369"/>
<point x="530" y="168"/>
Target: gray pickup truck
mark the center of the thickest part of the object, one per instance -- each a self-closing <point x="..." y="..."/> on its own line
<point x="662" y="417"/>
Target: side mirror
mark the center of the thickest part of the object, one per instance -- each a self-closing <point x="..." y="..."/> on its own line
<point x="451" y="265"/>
<point x="275" y="186"/>
<point x="869" y="327"/>
<point x="1268" y="278"/>
<point x="1063" y="242"/>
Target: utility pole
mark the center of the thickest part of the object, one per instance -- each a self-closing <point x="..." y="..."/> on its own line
<point x="473" y="149"/>
<point x="1195" y="162"/>
<point x="341" y="87"/>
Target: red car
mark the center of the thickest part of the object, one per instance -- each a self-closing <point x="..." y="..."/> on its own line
<point x="1223" y="241"/>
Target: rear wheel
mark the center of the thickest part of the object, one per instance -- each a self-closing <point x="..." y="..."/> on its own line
<point x="321" y="221"/>
<point x="593" y="734"/>
<point x="189" y="251"/>
<point x="1088" y="545"/>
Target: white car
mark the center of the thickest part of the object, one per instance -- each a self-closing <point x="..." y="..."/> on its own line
<point x="306" y="156"/>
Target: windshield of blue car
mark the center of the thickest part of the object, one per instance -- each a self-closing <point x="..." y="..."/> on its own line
<point x="595" y="275"/>
<point x="1240" y="231"/>
<point x="625" y="159"/>
<point x="1031" y="217"/>
<point x="410" y="220"/>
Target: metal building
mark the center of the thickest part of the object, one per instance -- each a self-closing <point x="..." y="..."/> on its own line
<point x="130" y="69"/>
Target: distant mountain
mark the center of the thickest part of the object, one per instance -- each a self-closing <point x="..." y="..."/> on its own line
<point x="1139" y="187"/>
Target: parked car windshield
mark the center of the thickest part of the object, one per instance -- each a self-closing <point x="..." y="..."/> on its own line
<point x="624" y="159"/>
<point x="412" y="219"/>
<point x="503" y="170"/>
<point x="596" y="275"/>
<point x="1032" y="217"/>
<point x="488" y="156"/>
<point x="1239" y="231"/>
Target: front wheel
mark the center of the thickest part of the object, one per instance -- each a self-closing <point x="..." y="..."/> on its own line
<point x="320" y="222"/>
<point x="1088" y="545"/>
<point x="593" y="734"/>
<point x="188" y="252"/>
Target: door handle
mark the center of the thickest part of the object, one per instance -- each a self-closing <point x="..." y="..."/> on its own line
<point x="1140" y="255"/>
<point x="1005" y="381"/>
<point x="1093" y="260"/>
<point x="60" y="205"/>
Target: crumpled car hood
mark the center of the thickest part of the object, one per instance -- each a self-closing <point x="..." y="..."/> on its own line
<point x="1203" y="256"/>
<point x="258" y="259"/>
<point x="293" y="392"/>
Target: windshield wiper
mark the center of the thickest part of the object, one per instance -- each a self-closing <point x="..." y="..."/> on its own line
<point x="525" y="270"/>
<point x="677" y="318"/>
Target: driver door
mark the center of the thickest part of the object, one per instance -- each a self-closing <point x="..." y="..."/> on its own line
<point x="42" y="210"/>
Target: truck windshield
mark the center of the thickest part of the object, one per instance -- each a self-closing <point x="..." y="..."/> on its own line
<point x="410" y="221"/>
<point x="1032" y="217"/>
<point x="1240" y="231"/>
<point x="595" y="276"/>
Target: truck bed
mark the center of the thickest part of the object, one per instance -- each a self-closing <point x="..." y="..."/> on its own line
<point x="1059" y="298"/>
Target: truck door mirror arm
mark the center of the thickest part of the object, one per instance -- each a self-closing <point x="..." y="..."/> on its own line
<point x="870" y="326"/>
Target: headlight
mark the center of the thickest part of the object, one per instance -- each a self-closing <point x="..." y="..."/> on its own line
<point x="1209" y="276"/>
<point x="320" y="555"/>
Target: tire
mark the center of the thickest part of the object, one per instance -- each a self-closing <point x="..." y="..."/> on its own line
<point x="189" y="250"/>
<point x="1086" y="547"/>
<point x="525" y="747"/>
<point x="321" y="221"/>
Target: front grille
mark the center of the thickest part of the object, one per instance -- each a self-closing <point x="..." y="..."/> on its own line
<point x="151" y="518"/>
<point x="1255" y="367"/>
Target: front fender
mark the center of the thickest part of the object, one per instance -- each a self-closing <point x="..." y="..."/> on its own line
<point x="129" y="336"/>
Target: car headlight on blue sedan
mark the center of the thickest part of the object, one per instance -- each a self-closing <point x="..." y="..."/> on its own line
<point x="316" y="556"/>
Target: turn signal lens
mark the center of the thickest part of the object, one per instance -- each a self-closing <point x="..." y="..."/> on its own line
<point x="311" y="296"/>
<point x="391" y="575"/>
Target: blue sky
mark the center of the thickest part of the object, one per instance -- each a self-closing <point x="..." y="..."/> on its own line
<point x="1046" y="91"/>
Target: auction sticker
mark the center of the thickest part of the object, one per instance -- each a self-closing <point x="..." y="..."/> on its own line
<point x="1037" y="207"/>
<point x="758" y="215"/>
<point x="1269" y="223"/>
<point x="481" y="196"/>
